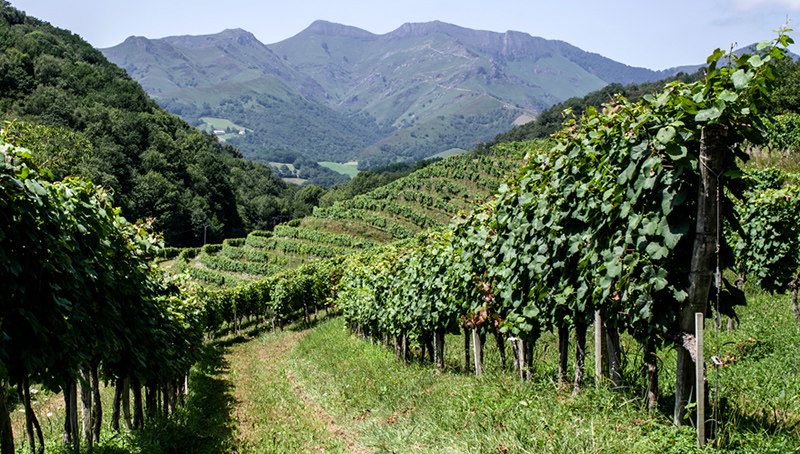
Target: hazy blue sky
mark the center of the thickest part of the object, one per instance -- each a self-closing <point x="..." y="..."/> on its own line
<point x="653" y="34"/>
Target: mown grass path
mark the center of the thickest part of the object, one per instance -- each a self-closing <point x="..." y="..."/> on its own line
<point x="271" y="411"/>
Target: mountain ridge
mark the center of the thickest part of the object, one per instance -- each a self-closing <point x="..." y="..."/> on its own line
<point x="406" y="94"/>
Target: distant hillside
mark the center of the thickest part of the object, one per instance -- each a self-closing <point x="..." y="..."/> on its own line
<point x="551" y="120"/>
<point x="339" y="93"/>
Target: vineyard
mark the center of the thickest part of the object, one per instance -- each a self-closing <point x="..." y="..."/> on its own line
<point x="637" y="217"/>
<point x="428" y="198"/>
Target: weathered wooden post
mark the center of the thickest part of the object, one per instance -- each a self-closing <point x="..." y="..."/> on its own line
<point x="712" y="160"/>
<point x="599" y="347"/>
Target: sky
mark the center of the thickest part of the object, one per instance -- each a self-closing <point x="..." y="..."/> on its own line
<point x="651" y="34"/>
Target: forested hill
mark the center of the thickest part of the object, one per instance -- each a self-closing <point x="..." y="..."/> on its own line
<point x="339" y="93"/>
<point x="95" y="121"/>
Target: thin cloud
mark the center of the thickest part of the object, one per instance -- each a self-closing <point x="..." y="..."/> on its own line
<point x="790" y="5"/>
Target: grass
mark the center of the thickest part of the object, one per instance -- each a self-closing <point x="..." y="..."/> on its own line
<point x="414" y="408"/>
<point x="273" y="414"/>
<point x="448" y="153"/>
<point x="212" y="123"/>
<point x="203" y="425"/>
<point x="323" y="390"/>
<point x="349" y="168"/>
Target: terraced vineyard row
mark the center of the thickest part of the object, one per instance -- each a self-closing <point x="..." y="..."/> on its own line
<point x="239" y="261"/>
<point x="428" y="198"/>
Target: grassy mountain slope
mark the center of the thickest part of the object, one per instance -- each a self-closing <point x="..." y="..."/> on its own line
<point x="339" y="93"/>
<point x="232" y="75"/>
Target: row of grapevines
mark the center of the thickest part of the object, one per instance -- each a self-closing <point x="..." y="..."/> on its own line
<point x="209" y="258"/>
<point x="767" y="242"/>
<point x="288" y="246"/>
<point x="601" y="222"/>
<point x="338" y="212"/>
<point x="249" y="254"/>
<point x="79" y="293"/>
<point x="282" y="297"/>
<point x="391" y="206"/>
<point x="318" y="236"/>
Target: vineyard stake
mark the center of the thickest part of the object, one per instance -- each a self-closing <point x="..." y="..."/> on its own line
<point x="699" y="373"/>
<point x="476" y="344"/>
<point x="598" y="348"/>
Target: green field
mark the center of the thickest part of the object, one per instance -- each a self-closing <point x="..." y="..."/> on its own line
<point x="450" y="152"/>
<point x="211" y="123"/>
<point x="348" y="168"/>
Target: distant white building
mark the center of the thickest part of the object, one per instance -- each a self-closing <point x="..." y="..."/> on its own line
<point x="241" y="133"/>
<point x="219" y="132"/>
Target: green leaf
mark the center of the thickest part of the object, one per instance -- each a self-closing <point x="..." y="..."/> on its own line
<point x="665" y="135"/>
<point x="35" y="187"/>
<point x="755" y="61"/>
<point x="639" y="150"/>
<point x="614" y="267"/>
<point x="728" y="96"/>
<point x="676" y="151"/>
<point x="656" y="251"/>
<point x="707" y="114"/>
<point x="741" y="79"/>
<point x="715" y="56"/>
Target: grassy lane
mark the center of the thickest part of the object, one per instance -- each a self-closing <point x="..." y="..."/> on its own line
<point x="272" y="413"/>
<point x="322" y="390"/>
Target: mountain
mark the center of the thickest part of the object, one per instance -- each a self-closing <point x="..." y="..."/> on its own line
<point x="337" y="93"/>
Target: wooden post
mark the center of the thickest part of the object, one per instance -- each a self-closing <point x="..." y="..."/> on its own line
<point x="476" y="344"/>
<point x="6" y="432"/>
<point x="580" y="355"/>
<point x="466" y="350"/>
<point x="700" y="385"/>
<point x="438" y="345"/>
<point x="713" y="143"/>
<point x="563" y="353"/>
<point x="598" y="348"/>
<point x="405" y="350"/>
<point x="86" y="406"/>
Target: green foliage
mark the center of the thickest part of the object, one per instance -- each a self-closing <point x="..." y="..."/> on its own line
<point x="80" y="286"/>
<point x="302" y="167"/>
<point x="281" y="295"/>
<point x="783" y="133"/>
<point x="602" y="221"/>
<point x="767" y="246"/>
<point x="101" y="125"/>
